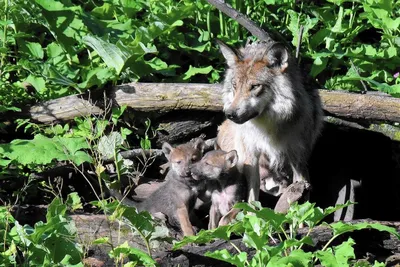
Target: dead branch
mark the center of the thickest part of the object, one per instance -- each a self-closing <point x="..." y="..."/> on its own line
<point x="241" y="19"/>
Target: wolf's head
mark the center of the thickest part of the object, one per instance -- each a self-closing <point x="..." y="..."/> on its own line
<point x="183" y="156"/>
<point x="214" y="165"/>
<point x="257" y="80"/>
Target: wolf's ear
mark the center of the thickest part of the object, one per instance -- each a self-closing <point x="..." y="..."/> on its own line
<point x="229" y="54"/>
<point x="216" y="146"/>
<point x="167" y="149"/>
<point x="278" y="56"/>
<point x="231" y="159"/>
<point x="199" y="144"/>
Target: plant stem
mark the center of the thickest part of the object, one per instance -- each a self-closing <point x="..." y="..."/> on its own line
<point x="4" y="36"/>
<point x="117" y="166"/>
<point x="239" y="251"/>
<point x="145" y="241"/>
<point x="284" y="232"/>
<point x="308" y="233"/>
<point x="221" y="23"/>
<point x="326" y="245"/>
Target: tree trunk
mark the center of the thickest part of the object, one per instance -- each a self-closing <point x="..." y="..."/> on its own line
<point x="166" y="97"/>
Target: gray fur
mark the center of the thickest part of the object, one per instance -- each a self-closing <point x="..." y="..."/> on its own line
<point x="280" y="118"/>
<point x="224" y="183"/>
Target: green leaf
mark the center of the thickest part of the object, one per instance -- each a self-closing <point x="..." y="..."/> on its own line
<point x="50" y="5"/>
<point x="43" y="150"/>
<point x="205" y="236"/>
<point x="54" y="75"/>
<point x="327" y="258"/>
<point x="145" y="143"/>
<point x="64" y="23"/>
<point x="379" y="264"/>
<point x="199" y="48"/>
<point x="97" y="77"/>
<point x="340" y="228"/>
<point x="117" y="113"/>
<point x="136" y="255"/>
<point x="52" y="242"/>
<point x="109" y="144"/>
<point x="194" y="71"/>
<point x="106" y="11"/>
<point x="101" y="240"/>
<point x="318" y="214"/>
<point x="338" y="25"/>
<point x="74" y="201"/>
<point x="33" y="49"/>
<point x="339" y="256"/>
<point x="345" y="251"/>
<point x="113" y="55"/>
<point x="224" y="255"/>
<point x="4" y="108"/>
<point x="296" y="258"/>
<point x="37" y="82"/>
<point x="318" y="66"/>
<point x="392" y="52"/>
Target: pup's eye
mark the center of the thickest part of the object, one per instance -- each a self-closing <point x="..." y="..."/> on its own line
<point x="233" y="84"/>
<point x="178" y="162"/>
<point x="255" y="87"/>
<point x="194" y="159"/>
<point x="208" y="163"/>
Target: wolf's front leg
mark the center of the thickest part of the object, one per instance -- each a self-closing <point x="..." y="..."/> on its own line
<point x="300" y="174"/>
<point x="214" y="217"/>
<point x="184" y="221"/>
<point x="252" y="174"/>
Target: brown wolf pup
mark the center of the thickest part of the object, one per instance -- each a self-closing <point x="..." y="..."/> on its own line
<point x="226" y="185"/>
<point x="269" y="112"/>
<point x="176" y="197"/>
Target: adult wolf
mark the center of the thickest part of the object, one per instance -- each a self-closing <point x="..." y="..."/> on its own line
<point x="269" y="112"/>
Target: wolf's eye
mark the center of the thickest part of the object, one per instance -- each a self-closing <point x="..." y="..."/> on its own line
<point x="233" y="84"/>
<point x="254" y="87"/>
<point x="178" y="162"/>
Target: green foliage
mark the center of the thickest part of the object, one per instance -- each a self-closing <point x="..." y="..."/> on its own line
<point x="261" y="227"/>
<point x="150" y="230"/>
<point x="43" y="150"/>
<point x="46" y="244"/>
<point x="63" y="47"/>
<point x="134" y="255"/>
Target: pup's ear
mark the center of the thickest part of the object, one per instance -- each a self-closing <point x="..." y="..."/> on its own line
<point x="231" y="159"/>
<point x="277" y="56"/>
<point x="229" y="54"/>
<point x="167" y="149"/>
<point x="216" y="146"/>
<point x="199" y="144"/>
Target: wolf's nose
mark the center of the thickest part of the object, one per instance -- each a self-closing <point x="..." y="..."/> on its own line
<point x="230" y="114"/>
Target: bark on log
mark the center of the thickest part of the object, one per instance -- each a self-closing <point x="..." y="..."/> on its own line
<point x="165" y="97"/>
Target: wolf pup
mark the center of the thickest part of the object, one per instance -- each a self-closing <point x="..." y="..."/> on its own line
<point x="176" y="197"/>
<point x="226" y="185"/>
<point x="269" y="112"/>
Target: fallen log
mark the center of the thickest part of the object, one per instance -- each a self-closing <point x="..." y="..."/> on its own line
<point x="371" y="243"/>
<point x="166" y="97"/>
